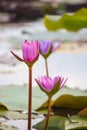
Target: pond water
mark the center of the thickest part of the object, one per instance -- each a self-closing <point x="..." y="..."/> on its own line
<point x="72" y="66"/>
<point x="69" y="65"/>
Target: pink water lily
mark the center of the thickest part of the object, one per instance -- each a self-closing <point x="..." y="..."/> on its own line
<point x="30" y="52"/>
<point x="51" y="86"/>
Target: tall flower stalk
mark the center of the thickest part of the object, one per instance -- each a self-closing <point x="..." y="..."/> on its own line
<point x="50" y="87"/>
<point x="46" y="66"/>
<point x="30" y="99"/>
<point x="30" y="52"/>
<point x="48" y="113"/>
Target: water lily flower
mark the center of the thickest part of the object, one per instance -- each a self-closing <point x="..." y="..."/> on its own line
<point x="30" y="52"/>
<point x="51" y="86"/>
<point x="45" y="48"/>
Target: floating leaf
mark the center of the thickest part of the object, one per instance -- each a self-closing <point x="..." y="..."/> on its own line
<point x="65" y="104"/>
<point x="79" y="128"/>
<point x="70" y="101"/>
<point x="3" y="107"/>
<point x="55" y="123"/>
<point x="72" y="22"/>
<point x="16" y="97"/>
<point x="13" y="115"/>
<point x="80" y="125"/>
<point x="43" y="108"/>
<point x="69" y="104"/>
<point x="83" y="112"/>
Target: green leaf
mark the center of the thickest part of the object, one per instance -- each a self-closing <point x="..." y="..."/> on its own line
<point x="13" y="115"/>
<point x="65" y="104"/>
<point x="55" y="123"/>
<point x="83" y="112"/>
<point x="69" y="104"/>
<point x="16" y="97"/>
<point x="79" y="128"/>
<point x="3" y="107"/>
<point x="72" y="22"/>
<point x="79" y="123"/>
<point x="43" y="108"/>
<point x="70" y="101"/>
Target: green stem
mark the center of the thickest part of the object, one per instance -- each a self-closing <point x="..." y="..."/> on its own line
<point x="46" y="67"/>
<point x="48" y="114"/>
<point x="71" y="120"/>
<point x="30" y="99"/>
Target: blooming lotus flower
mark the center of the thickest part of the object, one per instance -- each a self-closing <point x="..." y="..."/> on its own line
<point x="50" y="86"/>
<point x="45" y="48"/>
<point x="30" y="52"/>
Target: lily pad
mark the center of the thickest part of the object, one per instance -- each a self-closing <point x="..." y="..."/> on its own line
<point x="13" y="115"/>
<point x="73" y="22"/>
<point x="3" y="107"/>
<point x="70" y="101"/>
<point x="16" y="97"/>
<point x="65" y="104"/>
<point x="83" y="112"/>
<point x="69" y="104"/>
<point x="80" y="123"/>
<point x="55" y="123"/>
